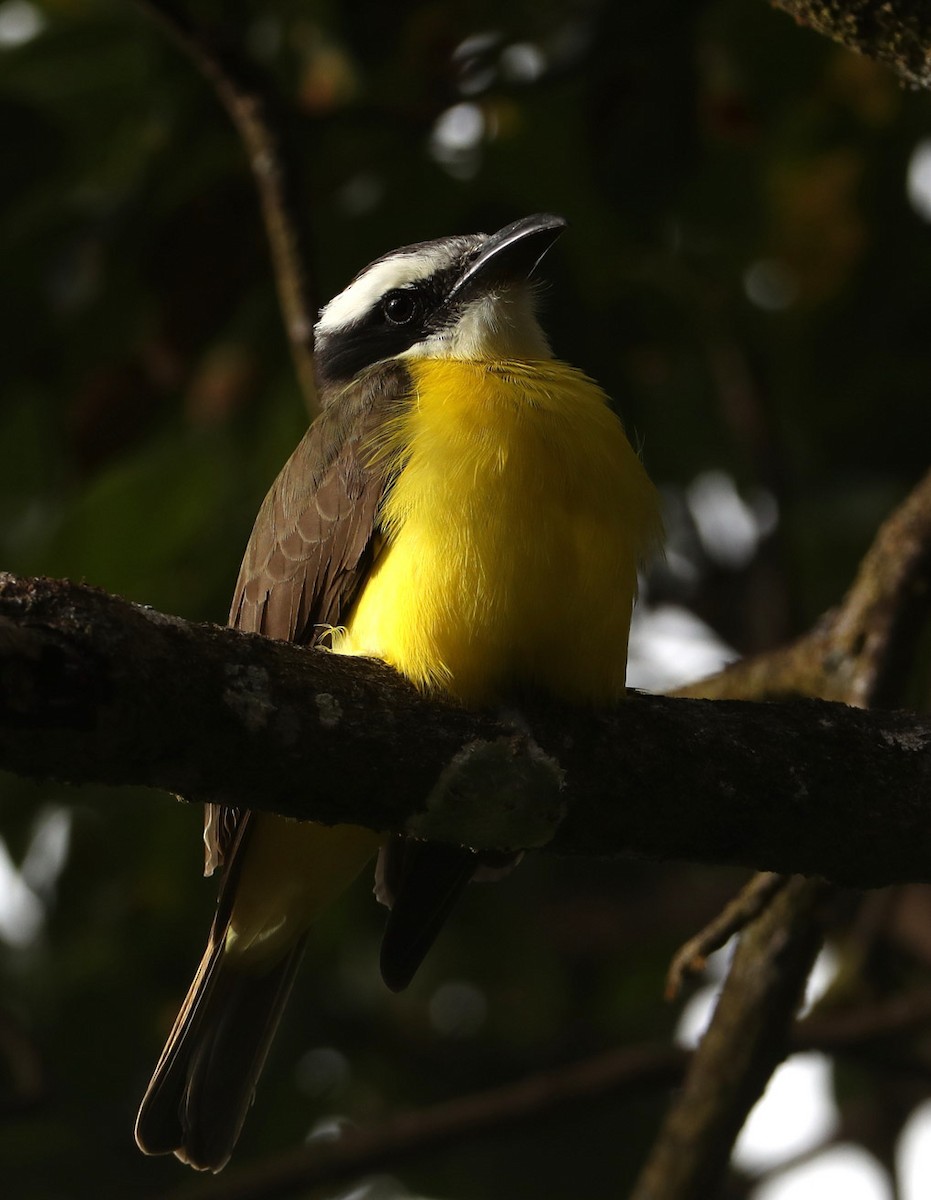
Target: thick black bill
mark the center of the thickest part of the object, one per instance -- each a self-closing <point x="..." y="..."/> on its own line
<point x="511" y="254"/>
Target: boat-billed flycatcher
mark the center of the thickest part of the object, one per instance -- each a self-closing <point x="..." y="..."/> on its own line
<point x="465" y="508"/>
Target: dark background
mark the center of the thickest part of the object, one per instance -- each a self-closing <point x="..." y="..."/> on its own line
<point x="744" y="273"/>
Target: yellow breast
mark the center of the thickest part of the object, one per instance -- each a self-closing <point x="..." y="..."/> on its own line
<point x="512" y="535"/>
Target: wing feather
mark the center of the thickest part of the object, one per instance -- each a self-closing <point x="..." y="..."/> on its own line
<point x="314" y="538"/>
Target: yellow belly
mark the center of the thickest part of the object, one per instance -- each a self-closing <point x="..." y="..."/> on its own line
<point x="511" y="541"/>
<point x="512" y="536"/>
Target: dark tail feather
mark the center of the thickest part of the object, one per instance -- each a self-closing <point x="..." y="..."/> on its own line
<point x="203" y="1085"/>
<point x="423" y="880"/>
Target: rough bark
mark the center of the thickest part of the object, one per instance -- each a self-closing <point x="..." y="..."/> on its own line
<point x="894" y="32"/>
<point x="94" y="689"/>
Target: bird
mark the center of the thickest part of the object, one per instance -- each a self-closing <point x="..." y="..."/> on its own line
<point x="466" y="508"/>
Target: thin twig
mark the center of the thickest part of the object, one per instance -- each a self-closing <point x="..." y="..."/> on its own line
<point x="629" y="1071"/>
<point x="747" y="1039"/>
<point x="248" y="99"/>
<point x="411" y="1134"/>
<point x="749" y="902"/>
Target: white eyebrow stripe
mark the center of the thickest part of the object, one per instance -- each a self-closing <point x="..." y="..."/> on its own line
<point x="357" y="299"/>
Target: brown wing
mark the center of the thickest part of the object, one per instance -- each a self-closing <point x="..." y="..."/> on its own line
<point x="310" y="543"/>
<point x="313" y="540"/>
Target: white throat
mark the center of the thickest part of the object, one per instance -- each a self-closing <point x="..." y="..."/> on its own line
<point x="499" y="325"/>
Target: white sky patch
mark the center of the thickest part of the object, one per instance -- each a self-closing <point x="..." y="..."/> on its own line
<point x="797" y="1110"/>
<point x="47" y="853"/>
<point x="729" y="527"/>
<point x="843" y="1172"/>
<point x="913" y="1154"/>
<point x="918" y="179"/>
<point x="24" y="889"/>
<point x="21" y="911"/>
<point x="822" y="976"/>
<point x="20" y="22"/>
<point x="697" y="1012"/>
<point x="795" y="1114"/>
<point x="671" y="646"/>
<point x="328" y="1129"/>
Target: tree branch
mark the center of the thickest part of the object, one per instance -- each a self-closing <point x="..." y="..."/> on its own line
<point x="248" y="99"/>
<point x="90" y="690"/>
<point x="690" y="959"/>
<point x="856" y="654"/>
<point x="894" y="32"/>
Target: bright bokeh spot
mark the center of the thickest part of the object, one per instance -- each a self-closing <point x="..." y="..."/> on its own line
<point x="918" y="179"/>
<point x="795" y="1114"/>
<point x="670" y="646"/>
<point x="458" y="1009"/>
<point x="842" y="1173"/>
<point x="47" y="852"/>
<point x="697" y="1013"/>
<point x="699" y="1009"/>
<point x="20" y="22"/>
<point x="522" y="62"/>
<point x="21" y="911"/>
<point x="322" y="1071"/>
<point x="913" y="1155"/>
<point x="770" y="285"/>
<point x="458" y="128"/>
<point x="797" y="1110"/>
<point x="456" y="139"/>
<point x="729" y="527"/>
<point x="821" y="977"/>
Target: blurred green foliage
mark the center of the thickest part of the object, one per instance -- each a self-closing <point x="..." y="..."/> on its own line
<point x="744" y="272"/>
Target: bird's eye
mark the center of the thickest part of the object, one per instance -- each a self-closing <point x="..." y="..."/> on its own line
<point x="400" y="307"/>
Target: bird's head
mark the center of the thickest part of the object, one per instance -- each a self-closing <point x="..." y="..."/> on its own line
<point x="467" y="297"/>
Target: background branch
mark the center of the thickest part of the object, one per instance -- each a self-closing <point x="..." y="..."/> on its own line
<point x="249" y="101"/>
<point x="411" y="1134"/>
<point x="746" y="1040"/>
<point x="628" y="1071"/>
<point x="854" y="654"/>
